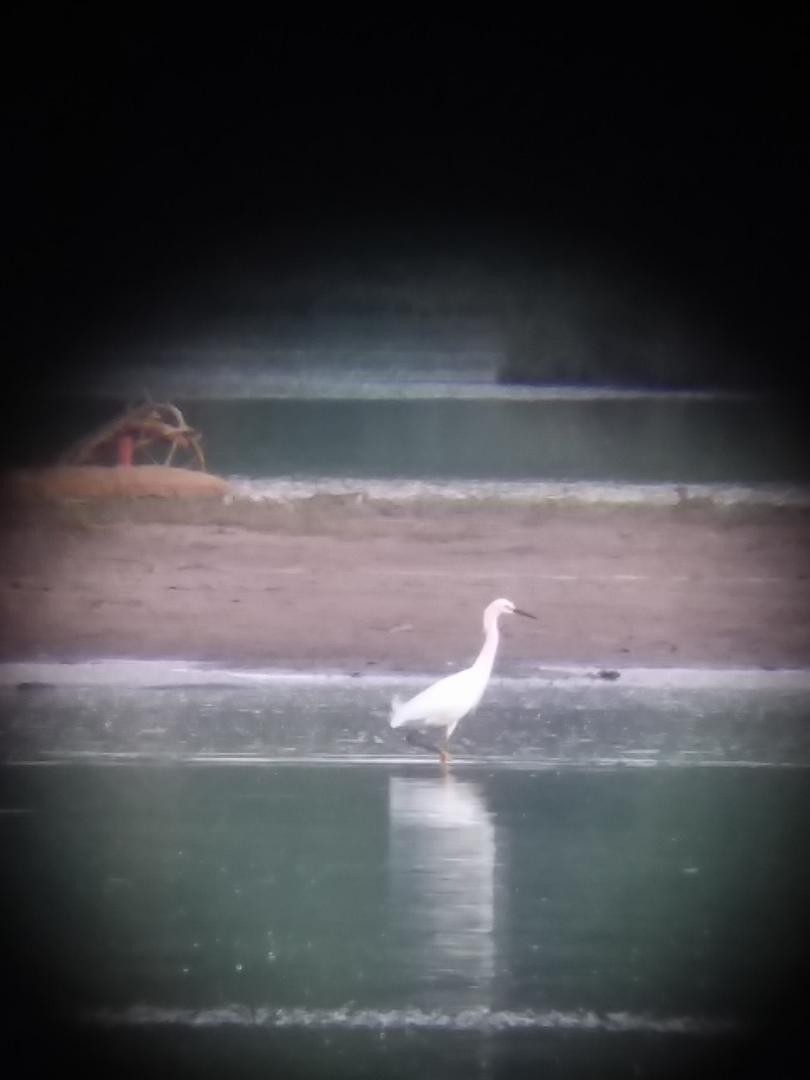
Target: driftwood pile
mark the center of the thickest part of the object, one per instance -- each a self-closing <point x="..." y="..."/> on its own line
<point x="121" y="460"/>
<point x="137" y="436"/>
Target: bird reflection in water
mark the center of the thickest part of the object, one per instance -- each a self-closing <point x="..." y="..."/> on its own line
<point x="442" y="880"/>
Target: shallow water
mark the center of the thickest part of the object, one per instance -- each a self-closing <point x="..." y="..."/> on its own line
<point x="373" y="916"/>
<point x="523" y="435"/>
<point x="164" y="711"/>
<point x="321" y="910"/>
<point x="630" y="440"/>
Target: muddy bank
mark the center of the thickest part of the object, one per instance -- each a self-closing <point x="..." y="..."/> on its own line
<point x="346" y="586"/>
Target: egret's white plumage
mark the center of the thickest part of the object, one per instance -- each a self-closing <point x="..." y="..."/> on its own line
<point x="447" y="701"/>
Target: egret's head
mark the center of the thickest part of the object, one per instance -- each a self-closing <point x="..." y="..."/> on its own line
<point x="502" y="607"/>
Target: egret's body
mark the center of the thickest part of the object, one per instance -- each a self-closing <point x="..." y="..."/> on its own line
<point x="447" y="701"/>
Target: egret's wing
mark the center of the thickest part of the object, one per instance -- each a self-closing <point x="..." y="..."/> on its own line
<point x="441" y="703"/>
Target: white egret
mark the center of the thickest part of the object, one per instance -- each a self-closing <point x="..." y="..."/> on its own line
<point x="447" y="701"/>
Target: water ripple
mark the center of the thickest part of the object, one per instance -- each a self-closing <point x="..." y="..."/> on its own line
<point x="481" y="1020"/>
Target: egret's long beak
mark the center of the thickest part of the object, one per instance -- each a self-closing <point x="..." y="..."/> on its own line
<point x="525" y="614"/>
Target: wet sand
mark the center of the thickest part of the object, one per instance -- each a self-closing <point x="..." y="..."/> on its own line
<point x="338" y="585"/>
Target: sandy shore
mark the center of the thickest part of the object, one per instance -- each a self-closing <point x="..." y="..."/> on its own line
<point x="401" y="588"/>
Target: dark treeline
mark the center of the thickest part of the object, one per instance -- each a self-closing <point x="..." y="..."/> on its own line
<point x="574" y="321"/>
<point x="625" y="204"/>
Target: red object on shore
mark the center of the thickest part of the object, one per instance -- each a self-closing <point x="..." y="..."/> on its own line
<point x="126" y="447"/>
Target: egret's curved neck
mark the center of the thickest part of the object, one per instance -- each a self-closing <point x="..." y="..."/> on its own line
<point x="486" y="658"/>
